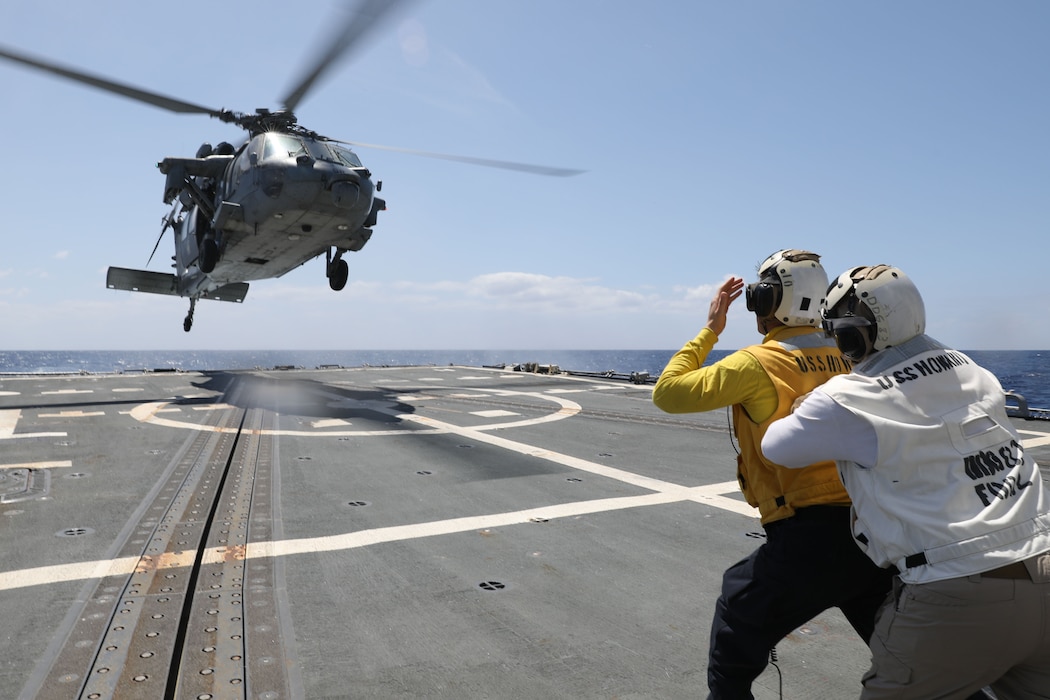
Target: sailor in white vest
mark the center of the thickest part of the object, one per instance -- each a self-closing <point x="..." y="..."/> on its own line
<point x="942" y="490"/>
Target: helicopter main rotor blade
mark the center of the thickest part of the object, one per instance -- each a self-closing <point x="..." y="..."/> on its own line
<point x="502" y="164"/>
<point x="361" y="21"/>
<point x="155" y="99"/>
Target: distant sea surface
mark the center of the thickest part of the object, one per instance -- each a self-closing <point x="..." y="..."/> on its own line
<point x="1026" y="372"/>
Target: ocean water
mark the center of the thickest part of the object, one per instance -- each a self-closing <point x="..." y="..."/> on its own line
<point x="1026" y="372"/>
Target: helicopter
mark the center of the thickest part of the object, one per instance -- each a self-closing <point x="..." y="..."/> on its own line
<point x="258" y="210"/>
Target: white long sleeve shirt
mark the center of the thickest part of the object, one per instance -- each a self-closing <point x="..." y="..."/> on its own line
<point x="940" y="484"/>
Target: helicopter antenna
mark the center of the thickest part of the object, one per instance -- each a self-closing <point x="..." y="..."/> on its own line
<point x="359" y="23"/>
<point x="167" y="222"/>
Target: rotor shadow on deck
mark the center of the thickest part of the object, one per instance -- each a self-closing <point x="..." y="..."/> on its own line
<point x="306" y="397"/>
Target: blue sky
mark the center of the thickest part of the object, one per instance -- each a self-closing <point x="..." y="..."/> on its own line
<point x="712" y="133"/>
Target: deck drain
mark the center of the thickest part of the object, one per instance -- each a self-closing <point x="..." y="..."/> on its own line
<point x="756" y="535"/>
<point x="424" y="472"/>
<point x="357" y="503"/>
<point x="74" y="532"/>
<point x="574" y="478"/>
<point x="491" y="585"/>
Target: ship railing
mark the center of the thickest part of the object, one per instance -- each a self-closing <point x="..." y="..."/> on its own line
<point x="1017" y="407"/>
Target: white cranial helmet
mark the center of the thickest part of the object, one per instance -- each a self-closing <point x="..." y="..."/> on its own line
<point x="871" y="308"/>
<point x="790" y="288"/>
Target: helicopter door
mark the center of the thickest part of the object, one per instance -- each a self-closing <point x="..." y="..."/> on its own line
<point x="195" y="245"/>
<point x="240" y="167"/>
<point x="186" y="242"/>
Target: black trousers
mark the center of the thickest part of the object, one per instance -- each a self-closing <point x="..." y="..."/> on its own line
<point x="809" y="563"/>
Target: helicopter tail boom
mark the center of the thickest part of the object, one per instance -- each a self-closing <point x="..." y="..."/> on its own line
<point x="161" y="283"/>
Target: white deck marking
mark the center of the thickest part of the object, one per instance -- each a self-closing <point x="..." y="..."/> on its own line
<point x="67" y="391"/>
<point x="9" y="420"/>
<point x="397" y="533"/>
<point x="330" y="423"/>
<point x="147" y="413"/>
<point x="1039" y="440"/>
<point x="61" y="573"/>
<point x="494" y="414"/>
<point x="72" y="414"/>
<point x="38" y="465"/>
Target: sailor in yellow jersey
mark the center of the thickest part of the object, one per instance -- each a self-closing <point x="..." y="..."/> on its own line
<point x="809" y="562"/>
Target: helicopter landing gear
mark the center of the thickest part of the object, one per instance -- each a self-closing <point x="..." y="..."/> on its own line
<point x="338" y="274"/>
<point x="187" y="324"/>
<point x="208" y="255"/>
<point x="338" y="271"/>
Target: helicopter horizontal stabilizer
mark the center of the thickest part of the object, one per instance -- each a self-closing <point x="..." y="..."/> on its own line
<point x="161" y="283"/>
<point x="235" y="291"/>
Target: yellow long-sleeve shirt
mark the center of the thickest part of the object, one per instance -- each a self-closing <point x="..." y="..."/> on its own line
<point x="686" y="386"/>
<point x="761" y="382"/>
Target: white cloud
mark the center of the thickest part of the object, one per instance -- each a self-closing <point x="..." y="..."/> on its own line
<point x="492" y="310"/>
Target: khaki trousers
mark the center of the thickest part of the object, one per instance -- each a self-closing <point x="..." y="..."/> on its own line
<point x="948" y="639"/>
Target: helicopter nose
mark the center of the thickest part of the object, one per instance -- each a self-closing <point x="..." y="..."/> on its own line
<point x="345" y="194"/>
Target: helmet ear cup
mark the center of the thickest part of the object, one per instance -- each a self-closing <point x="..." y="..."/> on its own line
<point x="854" y="343"/>
<point x="763" y="298"/>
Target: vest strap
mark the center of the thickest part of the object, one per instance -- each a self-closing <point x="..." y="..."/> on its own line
<point x="913" y="560"/>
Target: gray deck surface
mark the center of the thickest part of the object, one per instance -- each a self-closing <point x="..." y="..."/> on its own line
<point x="417" y="532"/>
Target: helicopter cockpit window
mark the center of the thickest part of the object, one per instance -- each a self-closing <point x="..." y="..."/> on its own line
<point x="283" y="146"/>
<point x="345" y="156"/>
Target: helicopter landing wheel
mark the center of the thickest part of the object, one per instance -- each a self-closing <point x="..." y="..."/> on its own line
<point x="209" y="255"/>
<point x="187" y="323"/>
<point x="338" y="274"/>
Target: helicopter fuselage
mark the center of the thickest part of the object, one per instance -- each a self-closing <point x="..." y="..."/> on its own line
<point x="280" y="200"/>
